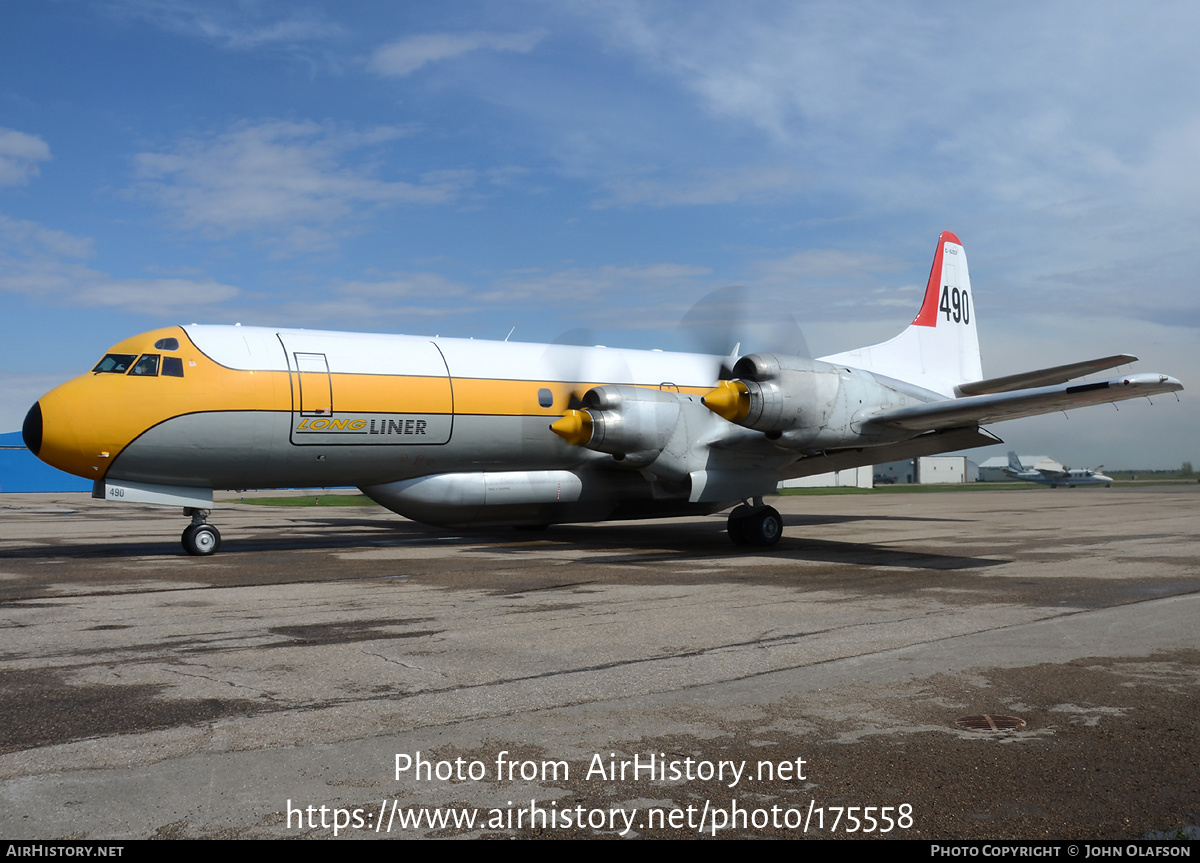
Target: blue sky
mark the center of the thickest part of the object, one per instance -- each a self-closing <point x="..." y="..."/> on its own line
<point x="465" y="168"/>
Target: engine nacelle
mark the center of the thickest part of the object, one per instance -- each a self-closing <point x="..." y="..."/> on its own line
<point x="803" y="403"/>
<point x="777" y="394"/>
<point x="631" y="421"/>
<point x="664" y="433"/>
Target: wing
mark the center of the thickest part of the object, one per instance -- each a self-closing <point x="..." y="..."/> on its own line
<point x="930" y="443"/>
<point x="994" y="407"/>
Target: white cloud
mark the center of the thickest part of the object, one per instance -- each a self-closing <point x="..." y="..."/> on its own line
<point x="407" y="55"/>
<point x="74" y="284"/>
<point x="19" y="391"/>
<point x="410" y="302"/>
<point x="43" y="263"/>
<point x="237" y="27"/>
<point x="853" y="268"/>
<point x="1169" y="177"/>
<point x="30" y="238"/>
<point x="883" y="97"/>
<point x="19" y="155"/>
<point x="708" y="186"/>
<point x="298" y="183"/>
<point x="157" y="297"/>
<point x="433" y="287"/>
<point x="613" y="288"/>
<point x="1071" y="163"/>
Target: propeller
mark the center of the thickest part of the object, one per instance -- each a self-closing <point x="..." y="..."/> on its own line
<point x="569" y="359"/>
<point x="731" y="322"/>
<point x="565" y="363"/>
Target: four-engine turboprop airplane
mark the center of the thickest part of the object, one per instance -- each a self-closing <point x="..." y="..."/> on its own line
<point x="460" y="432"/>
<point x="1055" y="478"/>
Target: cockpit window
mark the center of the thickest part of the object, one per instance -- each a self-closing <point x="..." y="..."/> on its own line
<point x="172" y="367"/>
<point x="167" y="345"/>
<point x="115" y="364"/>
<point x="147" y="365"/>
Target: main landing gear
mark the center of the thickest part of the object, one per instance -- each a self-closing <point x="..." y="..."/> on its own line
<point x="199" y="537"/>
<point x="755" y="524"/>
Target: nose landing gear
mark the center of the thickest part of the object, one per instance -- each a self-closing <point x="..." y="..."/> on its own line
<point x="199" y="537"/>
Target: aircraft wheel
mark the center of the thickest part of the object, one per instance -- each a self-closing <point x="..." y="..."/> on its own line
<point x="764" y="528"/>
<point x="739" y="519"/>
<point x="201" y="539"/>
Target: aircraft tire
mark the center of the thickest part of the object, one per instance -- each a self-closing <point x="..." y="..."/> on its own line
<point x="764" y="528"/>
<point x="201" y="539"/>
<point x="738" y="521"/>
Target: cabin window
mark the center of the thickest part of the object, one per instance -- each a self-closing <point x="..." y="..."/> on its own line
<point x="167" y="345"/>
<point x="115" y="364"/>
<point x="545" y="397"/>
<point x="172" y="367"/>
<point x="147" y="366"/>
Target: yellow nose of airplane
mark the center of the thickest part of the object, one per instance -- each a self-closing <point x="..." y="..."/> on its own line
<point x="56" y="432"/>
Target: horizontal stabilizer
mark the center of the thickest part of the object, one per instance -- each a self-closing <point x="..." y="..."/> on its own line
<point x="1043" y="377"/>
<point x="975" y="410"/>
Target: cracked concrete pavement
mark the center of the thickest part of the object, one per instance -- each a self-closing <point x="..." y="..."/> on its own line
<point x="147" y="693"/>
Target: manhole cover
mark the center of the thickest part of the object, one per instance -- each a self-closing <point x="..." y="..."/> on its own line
<point x="985" y="723"/>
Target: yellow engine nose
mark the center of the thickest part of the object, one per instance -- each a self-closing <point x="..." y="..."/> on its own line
<point x="575" y="427"/>
<point x="731" y="400"/>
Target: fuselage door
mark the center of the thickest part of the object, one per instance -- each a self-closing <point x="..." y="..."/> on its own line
<point x="312" y="390"/>
<point x="366" y="389"/>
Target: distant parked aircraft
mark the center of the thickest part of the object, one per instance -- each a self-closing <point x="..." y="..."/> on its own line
<point x="1055" y="478"/>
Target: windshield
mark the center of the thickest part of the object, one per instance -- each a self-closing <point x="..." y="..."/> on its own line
<point x="116" y="364"/>
<point x="147" y="365"/>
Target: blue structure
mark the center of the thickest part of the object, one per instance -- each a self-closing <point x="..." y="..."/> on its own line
<point x="21" y="470"/>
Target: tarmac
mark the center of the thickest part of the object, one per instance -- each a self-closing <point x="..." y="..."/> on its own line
<point x="416" y="681"/>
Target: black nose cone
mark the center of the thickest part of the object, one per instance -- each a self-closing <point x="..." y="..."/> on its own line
<point x="31" y="430"/>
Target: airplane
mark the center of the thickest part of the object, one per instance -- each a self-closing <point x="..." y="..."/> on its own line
<point x="1055" y="478"/>
<point x="461" y="433"/>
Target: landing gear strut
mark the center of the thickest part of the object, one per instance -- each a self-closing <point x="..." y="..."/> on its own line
<point x="755" y="525"/>
<point x="199" y="537"/>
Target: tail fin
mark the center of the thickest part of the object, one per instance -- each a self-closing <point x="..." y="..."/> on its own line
<point x="1014" y="463"/>
<point x="940" y="349"/>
